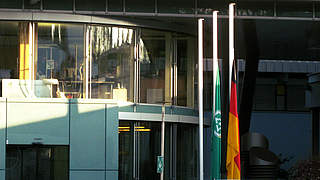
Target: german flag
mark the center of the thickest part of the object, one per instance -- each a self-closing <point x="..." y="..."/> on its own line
<point x="233" y="147"/>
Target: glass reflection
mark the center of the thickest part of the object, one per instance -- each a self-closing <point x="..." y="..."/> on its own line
<point x="59" y="62"/>
<point x="255" y="9"/>
<point x="112" y="63"/>
<point x="33" y="4"/>
<point x="208" y="6"/>
<point x="51" y="60"/>
<point x="155" y="67"/>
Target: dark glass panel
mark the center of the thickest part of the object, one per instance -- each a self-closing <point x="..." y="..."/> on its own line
<point x="317" y="9"/>
<point x="37" y="162"/>
<point x="208" y="6"/>
<point x="58" y="4"/>
<point x="185" y="71"/>
<point x="140" y="6"/>
<point x="125" y="150"/>
<point x="255" y="9"/>
<point x="288" y="40"/>
<point x="32" y="4"/>
<point x="176" y="6"/>
<point x="170" y="151"/>
<point x="187" y="151"/>
<point x="115" y="5"/>
<point x="148" y="144"/>
<point x="294" y="9"/>
<point x="91" y="5"/>
<point x="14" y="4"/>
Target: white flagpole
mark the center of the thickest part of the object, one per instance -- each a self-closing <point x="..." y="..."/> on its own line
<point x="215" y="56"/>
<point x="200" y="93"/>
<point x="231" y="42"/>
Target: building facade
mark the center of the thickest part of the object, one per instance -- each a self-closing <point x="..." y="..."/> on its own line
<point x="82" y="97"/>
<point x="85" y="84"/>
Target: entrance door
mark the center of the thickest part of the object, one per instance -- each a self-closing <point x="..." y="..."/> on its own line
<point x="37" y="162"/>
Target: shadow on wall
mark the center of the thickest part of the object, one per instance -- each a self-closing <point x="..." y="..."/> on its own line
<point x="90" y="130"/>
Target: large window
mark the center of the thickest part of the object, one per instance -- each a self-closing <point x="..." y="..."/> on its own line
<point x="37" y="162"/>
<point x="111" y="63"/>
<point x="155" y="67"/>
<point x="60" y="60"/>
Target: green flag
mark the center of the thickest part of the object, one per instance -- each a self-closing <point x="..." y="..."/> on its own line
<point x="216" y="133"/>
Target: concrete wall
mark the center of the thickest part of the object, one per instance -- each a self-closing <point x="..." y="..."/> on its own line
<point x="89" y="127"/>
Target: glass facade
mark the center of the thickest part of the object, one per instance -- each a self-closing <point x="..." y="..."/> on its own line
<point x="139" y="146"/>
<point x="267" y="8"/>
<point x="59" y="60"/>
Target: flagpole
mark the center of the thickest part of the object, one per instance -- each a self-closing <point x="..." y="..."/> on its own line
<point x="233" y="164"/>
<point x="215" y="56"/>
<point x="200" y="93"/>
<point x="231" y="42"/>
<point x="216" y="114"/>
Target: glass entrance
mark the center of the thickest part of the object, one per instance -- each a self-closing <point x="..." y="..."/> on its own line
<point x="37" y="162"/>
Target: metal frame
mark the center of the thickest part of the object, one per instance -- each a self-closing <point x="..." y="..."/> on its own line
<point x="153" y="117"/>
<point x="174" y="75"/>
<point x="82" y="17"/>
<point x="154" y="14"/>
